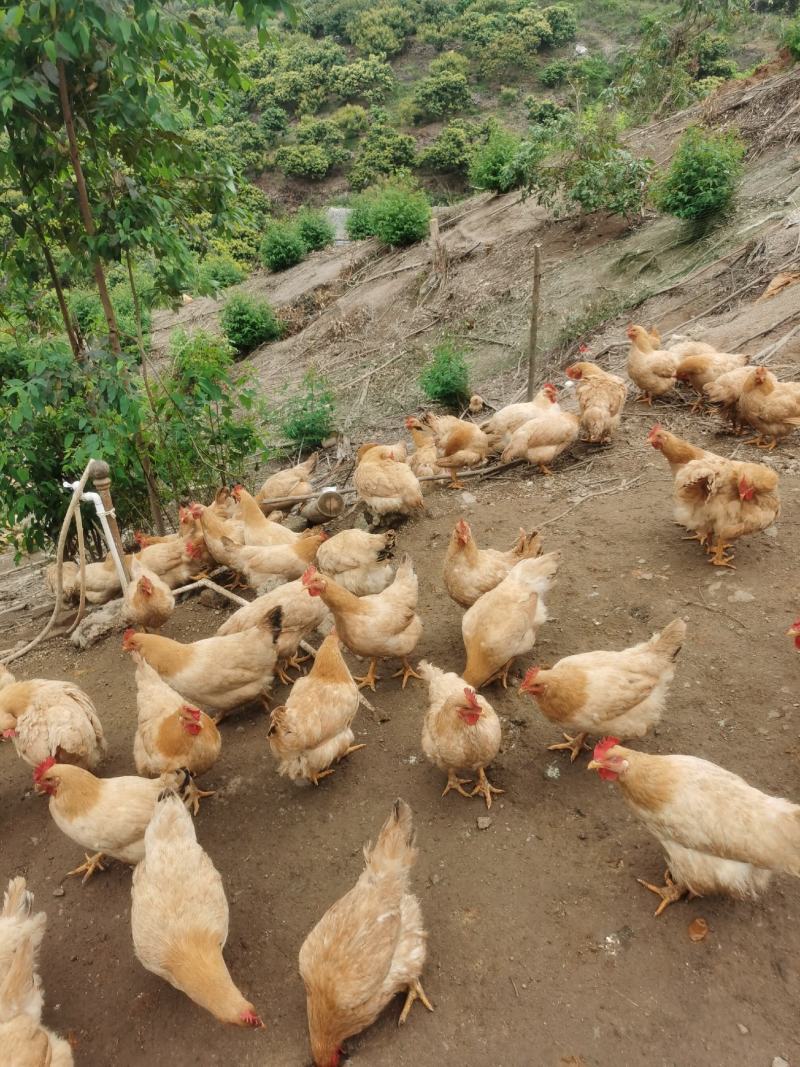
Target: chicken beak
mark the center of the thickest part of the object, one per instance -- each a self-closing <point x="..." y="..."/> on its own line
<point x="592" y="765"/>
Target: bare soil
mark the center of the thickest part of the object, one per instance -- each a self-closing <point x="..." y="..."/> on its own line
<point x="542" y="945"/>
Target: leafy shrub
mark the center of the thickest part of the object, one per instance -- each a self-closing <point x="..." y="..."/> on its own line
<point x="323" y="132"/>
<point x="369" y="79"/>
<point x="712" y="56"/>
<point x="247" y="323"/>
<point x="430" y="33"/>
<point x="351" y="119"/>
<point x="314" y="229"/>
<point x="218" y="272"/>
<point x="594" y="73"/>
<point x="441" y="94"/>
<point x="379" y="30"/>
<point x="555" y="73"/>
<point x="616" y="184"/>
<point x="450" y="152"/>
<point x="542" y="112"/>
<point x="282" y="246"/>
<point x="450" y="62"/>
<point x="360" y="222"/>
<point x="508" y="96"/>
<point x="400" y="215"/>
<point x="303" y="161"/>
<point x="383" y="152"/>
<point x="308" y="419"/>
<point x="445" y="380"/>
<point x="563" y="24"/>
<point x="489" y="166"/>
<point x="273" y="120"/>
<point x="704" y="174"/>
<point x="790" y="38"/>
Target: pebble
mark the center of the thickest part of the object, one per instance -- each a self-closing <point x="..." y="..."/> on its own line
<point x="485" y="821"/>
<point x="779" y="1061"/>
<point x="468" y="499"/>
<point x="552" y="771"/>
<point x="59" y="892"/>
<point x="741" y="596"/>
<point x="742" y="1029"/>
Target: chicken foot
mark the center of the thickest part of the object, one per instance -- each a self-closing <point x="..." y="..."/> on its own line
<point x="193" y="796"/>
<point x="415" y="992"/>
<point x="762" y="442"/>
<point x="573" y="745"/>
<point x="454" y="782"/>
<point x="485" y="788"/>
<point x="454" y="483"/>
<point x="501" y="675"/>
<point x="87" y="869"/>
<point x="407" y="671"/>
<point x="670" y="892"/>
<point x="545" y="470"/>
<point x="645" y="398"/>
<point x="702" y="538"/>
<point x="370" y="678"/>
<point x="718" y="558"/>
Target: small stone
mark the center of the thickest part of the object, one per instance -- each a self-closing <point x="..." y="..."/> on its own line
<point x="779" y="1061"/>
<point x="772" y="531"/>
<point x="59" y="892"/>
<point x="552" y="770"/>
<point x="484" y="822"/>
<point x="743" y="1030"/>
<point x="468" y="499"/>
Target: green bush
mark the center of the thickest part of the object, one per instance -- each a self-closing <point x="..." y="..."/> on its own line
<point x="360" y="222"/>
<point x="508" y="96"/>
<point x="449" y="62"/>
<point x="369" y="79"/>
<point x="450" y="152"/>
<point x="712" y="56"/>
<point x="542" y="112"/>
<point x="790" y="38"/>
<point x="218" y="272"/>
<point x="617" y="184"/>
<point x="303" y="161"/>
<point x="282" y="246"/>
<point x="442" y="94"/>
<point x="247" y="323"/>
<point x="351" y="119"/>
<point x="308" y="419"/>
<point x="555" y="73"/>
<point x="375" y="31"/>
<point x="489" y="167"/>
<point x="445" y="380"/>
<point x="314" y="229"/>
<point x="273" y="120"/>
<point x="400" y="215"/>
<point x="383" y="152"/>
<point x="563" y="24"/>
<point x="704" y="175"/>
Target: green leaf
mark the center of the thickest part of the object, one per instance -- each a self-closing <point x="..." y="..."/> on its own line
<point x="66" y="43"/>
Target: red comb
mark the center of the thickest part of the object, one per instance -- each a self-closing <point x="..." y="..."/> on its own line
<point x="191" y="711"/>
<point x="309" y="574"/>
<point x="127" y="637"/>
<point x="583" y="348"/>
<point x="140" y="538"/>
<point x="145" y="585"/>
<point x="602" y="748"/>
<point x="193" y="551"/>
<point x="655" y="429"/>
<point x="43" y="768"/>
<point x="472" y="699"/>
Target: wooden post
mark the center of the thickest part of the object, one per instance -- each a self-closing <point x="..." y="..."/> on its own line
<point x="101" y="479"/>
<point x="534" y="326"/>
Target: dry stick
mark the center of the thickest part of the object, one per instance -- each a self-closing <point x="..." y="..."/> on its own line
<point x="766" y="329"/>
<point x="701" y="603"/>
<point x="388" y="273"/>
<point x="766" y="354"/>
<point x="605" y="492"/>
<point x="534" y="325"/>
<point x="783" y="118"/>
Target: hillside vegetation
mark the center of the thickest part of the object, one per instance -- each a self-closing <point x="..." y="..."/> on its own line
<point x="151" y="160"/>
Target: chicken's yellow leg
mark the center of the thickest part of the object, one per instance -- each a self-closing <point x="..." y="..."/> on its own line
<point x="719" y="559"/>
<point x="670" y="892"/>
<point x="407" y="671"/>
<point x="415" y="992"/>
<point x="370" y="678"/>
<point x="454" y="782"/>
<point x="454" y="483"/>
<point x="485" y="788"/>
<point x="573" y="745"/>
<point x="193" y="796"/>
<point x="88" y="868"/>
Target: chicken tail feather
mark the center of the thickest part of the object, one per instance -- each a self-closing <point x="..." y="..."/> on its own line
<point x="18" y="900"/>
<point x="671" y="638"/>
<point x="395" y="845"/>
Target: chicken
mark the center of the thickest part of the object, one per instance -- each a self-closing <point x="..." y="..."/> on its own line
<point x="652" y="370"/>
<point x="149" y="601"/>
<point x="20" y="931"/>
<point x="720" y="835"/>
<point x="504" y="422"/>
<point x="179" y="916"/>
<point x="684" y="348"/>
<point x="387" y="485"/>
<point x="6" y="677"/>
<point x="51" y="718"/>
<point x="107" y="815"/>
<point x="543" y="439"/>
<point x="292" y="482"/>
<point x="262" y="567"/>
<point x="312" y="731"/>
<point x="594" y="692"/>
<point x="422" y="461"/>
<point x="301" y="616"/>
<point x="502" y="624"/>
<point x="23" y="1040"/>
<point x="367" y="947"/>
<point x="699" y="370"/>
<point x="601" y="398"/>
<point x="379" y="626"/>
<point x="723" y="500"/>
<point x="26" y="1043"/>
<point x="171" y="735"/>
<point x="675" y="450"/>
<point x="358" y="560"/>
<point x="102" y="580"/>
<point x="176" y="562"/>
<point x="187" y="527"/>
<point x="726" y="391"/>
<point x="771" y="407"/>
<point x="469" y="571"/>
<point x="461" y="731"/>
<point x="459" y="444"/>
<point x="256" y="527"/>
<point x="219" y="672"/>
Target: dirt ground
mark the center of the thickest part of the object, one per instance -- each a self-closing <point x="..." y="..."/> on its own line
<point x="543" y="949"/>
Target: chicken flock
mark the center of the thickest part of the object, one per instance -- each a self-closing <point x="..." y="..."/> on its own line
<point x="719" y="834"/>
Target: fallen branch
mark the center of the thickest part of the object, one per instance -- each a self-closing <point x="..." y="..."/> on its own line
<point x="701" y="603"/>
<point x="766" y="354"/>
<point x="592" y="496"/>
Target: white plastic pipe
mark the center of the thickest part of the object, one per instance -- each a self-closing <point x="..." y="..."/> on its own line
<point x="94" y="498"/>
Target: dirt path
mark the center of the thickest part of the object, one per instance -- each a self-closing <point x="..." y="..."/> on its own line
<point x="542" y="946"/>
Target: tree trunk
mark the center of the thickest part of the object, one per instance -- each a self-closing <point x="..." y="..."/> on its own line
<point x="86" y="208"/>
